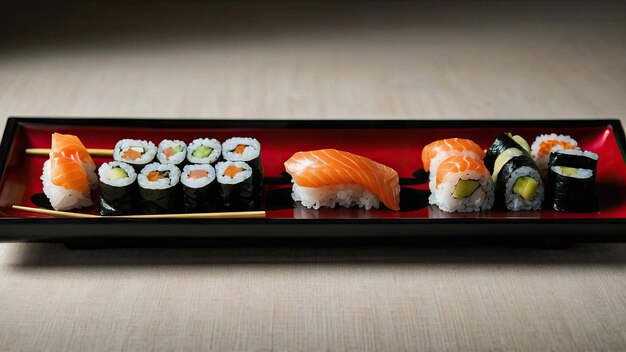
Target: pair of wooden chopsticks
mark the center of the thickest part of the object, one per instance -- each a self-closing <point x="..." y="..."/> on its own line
<point x="225" y="215"/>
<point x="91" y="151"/>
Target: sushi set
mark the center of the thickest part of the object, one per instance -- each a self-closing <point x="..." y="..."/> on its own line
<point x="181" y="180"/>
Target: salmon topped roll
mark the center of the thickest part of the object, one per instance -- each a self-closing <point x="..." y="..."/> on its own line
<point x="327" y="177"/>
<point x="436" y="152"/>
<point x="462" y="184"/>
<point x="70" y="146"/>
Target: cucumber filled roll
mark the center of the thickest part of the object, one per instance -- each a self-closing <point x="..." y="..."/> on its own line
<point x="118" y="189"/>
<point x="172" y="152"/>
<point x="204" y="151"/>
<point x="503" y="142"/>
<point x="159" y="189"/>
<point x="519" y="185"/>
<point x="135" y="152"/>
<point x="199" y="188"/>
<point x="463" y="184"/>
<point x="236" y="186"/>
<point x="571" y="180"/>
<point x="248" y="150"/>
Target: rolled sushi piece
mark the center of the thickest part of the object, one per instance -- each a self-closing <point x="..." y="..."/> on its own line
<point x="436" y="152"/>
<point x="199" y="189"/>
<point x="571" y="180"/>
<point x="204" y="151"/>
<point x="237" y="189"/>
<point x="137" y="153"/>
<point x="172" y="152"/>
<point x="70" y="146"/>
<point x="463" y="184"/>
<point x="159" y="189"/>
<point x="519" y="185"/>
<point x="548" y="143"/>
<point x="118" y="189"/>
<point x="248" y="150"/>
<point x="503" y="142"/>
<point x="65" y="183"/>
<point x="330" y="177"/>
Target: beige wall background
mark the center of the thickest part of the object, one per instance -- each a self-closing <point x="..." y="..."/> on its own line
<point x="373" y="60"/>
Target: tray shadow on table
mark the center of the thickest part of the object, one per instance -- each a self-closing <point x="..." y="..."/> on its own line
<point x="42" y="255"/>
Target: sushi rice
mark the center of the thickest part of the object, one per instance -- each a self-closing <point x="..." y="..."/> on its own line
<point x="105" y="177"/>
<point x="482" y="198"/>
<point x="163" y="183"/>
<point x="514" y="201"/>
<point x="212" y="143"/>
<point x="176" y="158"/>
<point x="251" y="151"/>
<point x="197" y="182"/>
<point x="124" y="145"/>
<point x="221" y="167"/>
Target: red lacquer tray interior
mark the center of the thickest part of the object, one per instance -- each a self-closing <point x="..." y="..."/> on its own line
<point x="398" y="148"/>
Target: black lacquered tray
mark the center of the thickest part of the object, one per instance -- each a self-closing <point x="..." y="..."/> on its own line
<point x="397" y="144"/>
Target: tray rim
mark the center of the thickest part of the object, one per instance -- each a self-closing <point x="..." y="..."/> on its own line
<point x="609" y="226"/>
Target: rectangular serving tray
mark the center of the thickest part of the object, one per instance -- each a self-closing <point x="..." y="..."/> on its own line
<point x="397" y="144"/>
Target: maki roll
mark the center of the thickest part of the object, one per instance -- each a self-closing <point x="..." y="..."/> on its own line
<point x="248" y="150"/>
<point x="172" y="152"/>
<point x="502" y="143"/>
<point x="547" y="143"/>
<point x="118" y="190"/>
<point x="199" y="190"/>
<point x="159" y="191"/>
<point x="436" y="152"/>
<point x="463" y="184"/>
<point x="518" y="182"/>
<point x="204" y="151"/>
<point x="135" y="152"/>
<point x="572" y="179"/>
<point x="236" y="186"/>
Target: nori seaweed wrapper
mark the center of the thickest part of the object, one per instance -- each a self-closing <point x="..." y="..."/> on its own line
<point x="241" y="196"/>
<point x="161" y="201"/>
<point x="257" y="173"/>
<point x="572" y="194"/>
<point x="502" y="143"/>
<point x="576" y="161"/>
<point x="118" y="200"/>
<point x="506" y="171"/>
<point x="201" y="199"/>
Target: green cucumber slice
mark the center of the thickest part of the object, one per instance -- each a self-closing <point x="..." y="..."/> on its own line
<point x="568" y="171"/>
<point x="202" y="152"/>
<point x="117" y="173"/>
<point x="526" y="187"/>
<point x="177" y="148"/>
<point x="465" y="188"/>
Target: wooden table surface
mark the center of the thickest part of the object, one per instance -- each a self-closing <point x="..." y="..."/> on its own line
<point x="314" y="60"/>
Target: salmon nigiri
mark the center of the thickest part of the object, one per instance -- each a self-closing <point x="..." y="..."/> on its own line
<point x="65" y="182"/>
<point x="70" y="146"/>
<point x="449" y="146"/>
<point x="327" y="177"/>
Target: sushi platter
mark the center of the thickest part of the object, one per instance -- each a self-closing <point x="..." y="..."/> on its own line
<point x="152" y="181"/>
